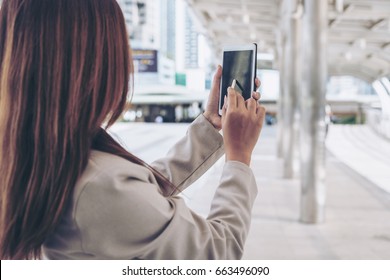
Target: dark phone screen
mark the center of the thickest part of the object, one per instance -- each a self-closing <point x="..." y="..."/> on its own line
<point x="237" y="65"/>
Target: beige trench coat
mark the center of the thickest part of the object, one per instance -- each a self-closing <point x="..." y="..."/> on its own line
<point x="118" y="211"/>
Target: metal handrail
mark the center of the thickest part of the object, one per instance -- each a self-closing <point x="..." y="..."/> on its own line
<point x="379" y="120"/>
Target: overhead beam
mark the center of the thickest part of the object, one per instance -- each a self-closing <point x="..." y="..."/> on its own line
<point x="266" y="26"/>
<point x="377" y="24"/>
<point x="339" y="17"/>
<point x="351" y="72"/>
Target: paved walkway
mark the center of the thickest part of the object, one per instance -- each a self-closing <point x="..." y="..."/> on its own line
<point x="364" y="151"/>
<point x="357" y="222"/>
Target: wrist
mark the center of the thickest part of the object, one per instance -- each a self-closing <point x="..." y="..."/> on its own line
<point x="240" y="157"/>
<point x="209" y="117"/>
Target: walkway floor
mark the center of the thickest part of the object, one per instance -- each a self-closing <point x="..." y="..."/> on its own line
<point x="364" y="151"/>
<point x="357" y="222"/>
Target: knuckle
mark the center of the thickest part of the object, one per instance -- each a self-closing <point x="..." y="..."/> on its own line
<point x="237" y="114"/>
<point x="262" y="109"/>
<point x="254" y="118"/>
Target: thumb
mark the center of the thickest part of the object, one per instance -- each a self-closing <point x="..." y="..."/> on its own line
<point x="217" y="79"/>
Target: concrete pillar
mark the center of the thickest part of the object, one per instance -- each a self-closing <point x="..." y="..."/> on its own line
<point x="291" y="72"/>
<point x="280" y="51"/>
<point x="312" y="136"/>
<point x="297" y="84"/>
<point x="288" y="115"/>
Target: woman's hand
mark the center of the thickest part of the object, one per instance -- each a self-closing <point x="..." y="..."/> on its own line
<point x="211" y="112"/>
<point x="241" y="124"/>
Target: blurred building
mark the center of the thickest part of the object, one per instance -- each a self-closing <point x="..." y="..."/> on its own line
<point x="164" y="40"/>
<point x="191" y="41"/>
<point x="143" y="21"/>
<point x="168" y="28"/>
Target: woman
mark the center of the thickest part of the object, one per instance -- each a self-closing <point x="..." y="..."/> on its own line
<point x="69" y="191"/>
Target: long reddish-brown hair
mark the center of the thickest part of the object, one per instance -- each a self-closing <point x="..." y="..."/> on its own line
<point x="65" y="69"/>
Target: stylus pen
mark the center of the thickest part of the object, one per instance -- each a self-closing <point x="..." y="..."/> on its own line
<point x="233" y="86"/>
<point x="240" y="86"/>
<point x="236" y="83"/>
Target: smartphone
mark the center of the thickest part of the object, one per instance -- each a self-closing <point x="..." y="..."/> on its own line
<point x="239" y="63"/>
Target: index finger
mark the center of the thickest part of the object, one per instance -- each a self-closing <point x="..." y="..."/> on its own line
<point x="232" y="98"/>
